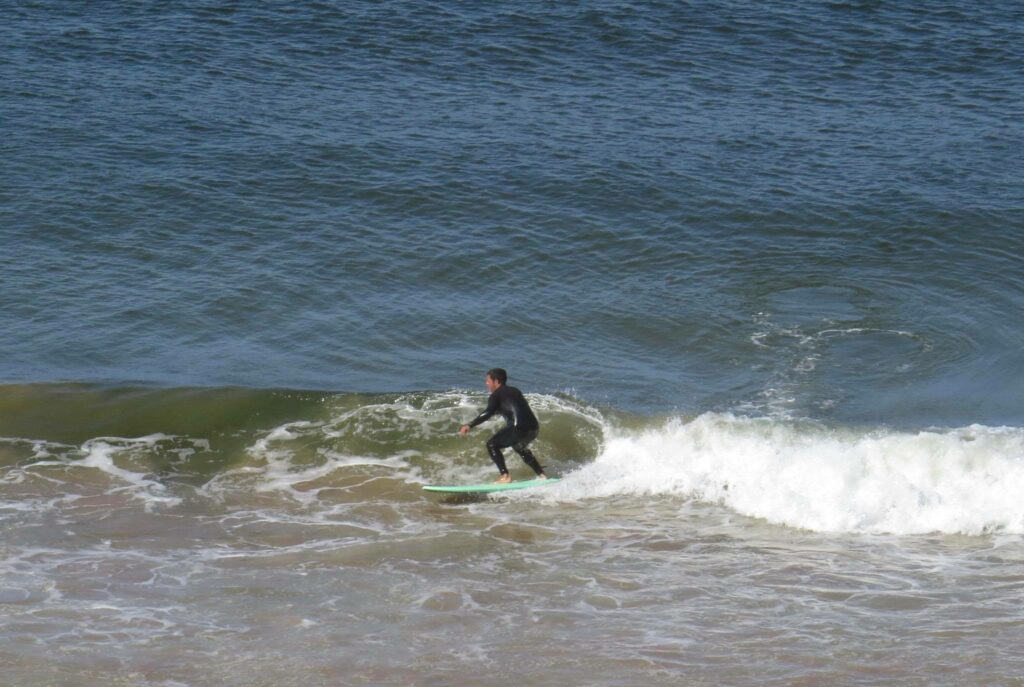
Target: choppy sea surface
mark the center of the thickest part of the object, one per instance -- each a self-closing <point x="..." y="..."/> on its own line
<point x="759" y="268"/>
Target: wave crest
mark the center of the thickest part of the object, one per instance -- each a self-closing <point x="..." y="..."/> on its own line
<point x="810" y="476"/>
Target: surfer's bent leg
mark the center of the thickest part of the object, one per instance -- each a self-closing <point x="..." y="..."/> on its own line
<point x="509" y="437"/>
<point x="526" y="454"/>
<point x="502" y="439"/>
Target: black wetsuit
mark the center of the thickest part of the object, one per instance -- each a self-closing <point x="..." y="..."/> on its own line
<point x="521" y="427"/>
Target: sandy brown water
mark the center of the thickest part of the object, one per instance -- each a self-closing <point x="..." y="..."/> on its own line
<point x="299" y="561"/>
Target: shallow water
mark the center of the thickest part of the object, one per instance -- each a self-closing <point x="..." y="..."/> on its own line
<point x="717" y="549"/>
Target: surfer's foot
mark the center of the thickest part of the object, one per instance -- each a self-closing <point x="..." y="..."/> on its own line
<point x="504" y="479"/>
<point x="542" y="476"/>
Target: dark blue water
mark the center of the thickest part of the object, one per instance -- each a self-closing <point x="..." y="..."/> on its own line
<point x="806" y="209"/>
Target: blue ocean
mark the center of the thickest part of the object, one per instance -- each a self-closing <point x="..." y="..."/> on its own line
<point x="759" y="269"/>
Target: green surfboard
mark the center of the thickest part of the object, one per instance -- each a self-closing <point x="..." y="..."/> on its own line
<point x="487" y="488"/>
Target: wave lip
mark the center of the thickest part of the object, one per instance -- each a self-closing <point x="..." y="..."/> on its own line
<point x="806" y="475"/>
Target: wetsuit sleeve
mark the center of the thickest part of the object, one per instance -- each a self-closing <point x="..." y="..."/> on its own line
<point x="492" y="407"/>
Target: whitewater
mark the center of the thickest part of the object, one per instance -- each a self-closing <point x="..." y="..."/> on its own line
<point x="808" y="476"/>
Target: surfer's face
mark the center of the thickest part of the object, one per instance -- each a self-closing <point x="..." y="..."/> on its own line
<point x="492" y="384"/>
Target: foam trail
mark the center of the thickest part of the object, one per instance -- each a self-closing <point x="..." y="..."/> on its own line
<point x="100" y="452"/>
<point x="806" y="475"/>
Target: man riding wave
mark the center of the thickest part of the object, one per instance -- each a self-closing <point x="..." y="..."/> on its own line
<point x="521" y="426"/>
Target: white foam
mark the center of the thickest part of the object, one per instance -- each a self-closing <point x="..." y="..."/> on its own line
<point x="40" y="449"/>
<point x="416" y="419"/>
<point x="100" y="453"/>
<point x="806" y="475"/>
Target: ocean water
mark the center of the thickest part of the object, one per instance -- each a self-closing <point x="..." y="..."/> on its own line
<point x="758" y="268"/>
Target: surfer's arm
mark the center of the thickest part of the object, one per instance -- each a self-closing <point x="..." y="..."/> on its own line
<point x="491" y="409"/>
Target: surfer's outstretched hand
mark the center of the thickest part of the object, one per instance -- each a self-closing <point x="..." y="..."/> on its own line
<point x="464" y="430"/>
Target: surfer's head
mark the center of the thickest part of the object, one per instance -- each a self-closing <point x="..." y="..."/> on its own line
<point x="496" y="377"/>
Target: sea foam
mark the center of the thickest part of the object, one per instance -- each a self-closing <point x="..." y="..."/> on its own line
<point x="807" y="475"/>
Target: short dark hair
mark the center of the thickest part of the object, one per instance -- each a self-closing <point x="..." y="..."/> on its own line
<point x="497" y="374"/>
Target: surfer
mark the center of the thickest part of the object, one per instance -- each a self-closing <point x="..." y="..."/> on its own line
<point x="521" y="426"/>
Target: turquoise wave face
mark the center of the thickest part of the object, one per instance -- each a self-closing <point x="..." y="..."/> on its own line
<point x="189" y="452"/>
<point x="191" y="435"/>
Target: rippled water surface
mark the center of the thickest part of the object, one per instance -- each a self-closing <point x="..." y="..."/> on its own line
<point x="759" y="269"/>
<point x="663" y="205"/>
